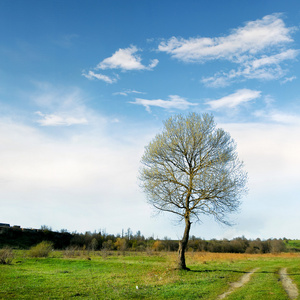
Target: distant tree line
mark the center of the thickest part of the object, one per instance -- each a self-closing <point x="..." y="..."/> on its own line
<point x="19" y="238"/>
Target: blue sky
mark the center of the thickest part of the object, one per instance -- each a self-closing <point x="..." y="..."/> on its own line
<point x="85" y="85"/>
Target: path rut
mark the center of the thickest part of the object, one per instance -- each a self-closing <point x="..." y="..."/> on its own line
<point x="234" y="285"/>
<point x="290" y="287"/>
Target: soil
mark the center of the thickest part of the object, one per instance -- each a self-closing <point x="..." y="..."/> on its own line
<point x="290" y="287"/>
<point x="234" y="285"/>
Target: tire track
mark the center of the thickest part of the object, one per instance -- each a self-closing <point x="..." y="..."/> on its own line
<point x="235" y="285"/>
<point x="287" y="283"/>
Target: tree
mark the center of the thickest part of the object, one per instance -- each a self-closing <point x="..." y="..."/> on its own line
<point x="192" y="168"/>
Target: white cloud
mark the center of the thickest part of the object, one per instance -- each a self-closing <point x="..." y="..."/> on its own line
<point x="258" y="48"/>
<point x="126" y="92"/>
<point x="69" y="182"/>
<point x="254" y="37"/>
<point x="174" y="102"/>
<point x="92" y="75"/>
<point x="274" y="59"/>
<point x="73" y="182"/>
<point x="264" y="68"/>
<point x="235" y="99"/>
<point x="280" y="117"/>
<point x="270" y="152"/>
<point x="126" y="59"/>
<point x="284" y="118"/>
<point x="59" y="120"/>
<point x="153" y="63"/>
<point x="61" y="106"/>
<point x="288" y="79"/>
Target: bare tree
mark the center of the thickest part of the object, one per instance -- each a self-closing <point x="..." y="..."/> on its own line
<point x="192" y="168"/>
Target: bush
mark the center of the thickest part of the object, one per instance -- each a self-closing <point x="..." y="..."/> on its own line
<point x="6" y="256"/>
<point x="41" y="250"/>
<point x="71" y="252"/>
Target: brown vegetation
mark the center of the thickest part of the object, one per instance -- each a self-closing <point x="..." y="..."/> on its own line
<point x="6" y="256"/>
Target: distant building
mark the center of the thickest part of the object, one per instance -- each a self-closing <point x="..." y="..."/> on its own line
<point x="4" y="225"/>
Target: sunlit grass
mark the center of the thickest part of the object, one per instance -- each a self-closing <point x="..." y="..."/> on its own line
<point x="137" y="276"/>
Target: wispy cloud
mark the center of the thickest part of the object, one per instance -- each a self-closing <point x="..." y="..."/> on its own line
<point x="66" y="41"/>
<point x="234" y="100"/>
<point x="258" y="48"/>
<point x="279" y="117"/>
<point x="61" y="106"/>
<point x="254" y="37"/>
<point x="127" y="92"/>
<point x="288" y="79"/>
<point x="284" y="118"/>
<point x="92" y="75"/>
<point x="264" y="68"/>
<point x="175" y="102"/>
<point x="126" y="60"/>
<point x="59" y="120"/>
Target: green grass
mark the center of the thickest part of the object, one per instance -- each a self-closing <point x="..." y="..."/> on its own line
<point x="118" y="276"/>
<point x="293" y="245"/>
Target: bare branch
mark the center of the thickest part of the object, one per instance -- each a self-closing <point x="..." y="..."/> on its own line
<point x="192" y="168"/>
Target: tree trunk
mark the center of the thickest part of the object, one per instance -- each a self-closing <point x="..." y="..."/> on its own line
<point x="182" y="246"/>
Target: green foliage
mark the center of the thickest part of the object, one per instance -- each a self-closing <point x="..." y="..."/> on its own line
<point x="121" y="244"/>
<point x="6" y="255"/>
<point x="26" y="238"/>
<point x="42" y="249"/>
<point x="293" y="245"/>
<point x="74" y="242"/>
<point x="94" y="244"/>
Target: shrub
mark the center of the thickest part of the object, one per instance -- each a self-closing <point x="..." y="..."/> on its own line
<point x="41" y="250"/>
<point x="6" y="256"/>
<point x="121" y="244"/>
<point x="71" y="252"/>
<point x="94" y="244"/>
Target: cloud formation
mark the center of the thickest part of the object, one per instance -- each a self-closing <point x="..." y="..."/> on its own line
<point x="126" y="60"/>
<point x="63" y="106"/>
<point x="257" y="48"/>
<point x="59" y="120"/>
<point x="92" y="75"/>
<point x="234" y="100"/>
<point x="175" y="102"/>
<point x="43" y="176"/>
<point x="254" y="37"/>
<point x="279" y="117"/>
<point x="264" y="68"/>
<point x="127" y="92"/>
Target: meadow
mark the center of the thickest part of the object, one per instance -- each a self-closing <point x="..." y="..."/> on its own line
<point x="128" y="275"/>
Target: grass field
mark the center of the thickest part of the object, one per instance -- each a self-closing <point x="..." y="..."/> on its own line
<point x="142" y="276"/>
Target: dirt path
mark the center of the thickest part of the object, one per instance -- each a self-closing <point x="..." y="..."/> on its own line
<point x="244" y="279"/>
<point x="288" y="284"/>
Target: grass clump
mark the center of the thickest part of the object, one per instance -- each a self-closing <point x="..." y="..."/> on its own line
<point x="6" y="256"/>
<point x="42" y="249"/>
